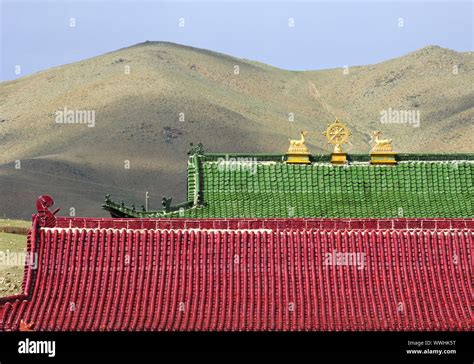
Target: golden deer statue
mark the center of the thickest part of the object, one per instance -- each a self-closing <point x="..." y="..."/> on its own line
<point x="298" y="142"/>
<point x="381" y="145"/>
<point x="298" y="152"/>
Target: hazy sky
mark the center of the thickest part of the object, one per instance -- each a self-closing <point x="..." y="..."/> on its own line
<point x="37" y="35"/>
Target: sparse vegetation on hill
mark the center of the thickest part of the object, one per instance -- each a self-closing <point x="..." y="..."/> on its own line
<point x="11" y="276"/>
<point x="152" y="99"/>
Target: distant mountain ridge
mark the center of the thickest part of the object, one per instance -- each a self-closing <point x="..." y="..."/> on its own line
<point x="152" y="99"/>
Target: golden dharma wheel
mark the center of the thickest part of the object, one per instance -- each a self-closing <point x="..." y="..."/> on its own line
<point x="337" y="133"/>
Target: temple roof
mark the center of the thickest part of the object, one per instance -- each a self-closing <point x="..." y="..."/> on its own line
<point x="264" y="186"/>
<point x="243" y="275"/>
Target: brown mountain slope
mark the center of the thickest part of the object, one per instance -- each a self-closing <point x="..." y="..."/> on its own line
<point x="137" y="117"/>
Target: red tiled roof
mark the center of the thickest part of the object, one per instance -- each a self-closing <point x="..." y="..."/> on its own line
<point x="172" y="274"/>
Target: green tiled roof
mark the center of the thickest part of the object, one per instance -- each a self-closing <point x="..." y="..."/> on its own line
<point x="264" y="186"/>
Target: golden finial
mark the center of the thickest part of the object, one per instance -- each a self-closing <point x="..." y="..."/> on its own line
<point x="381" y="145"/>
<point x="298" y="151"/>
<point x="337" y="133"/>
<point x="382" y="151"/>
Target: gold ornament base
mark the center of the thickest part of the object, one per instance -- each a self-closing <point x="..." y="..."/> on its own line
<point x="383" y="158"/>
<point x="339" y="158"/>
<point x="298" y="158"/>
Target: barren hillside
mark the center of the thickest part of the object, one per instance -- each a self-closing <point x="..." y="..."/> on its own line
<point x="152" y="99"/>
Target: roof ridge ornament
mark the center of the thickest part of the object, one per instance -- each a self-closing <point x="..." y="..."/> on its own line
<point x="45" y="217"/>
<point x="382" y="151"/>
<point x="196" y="149"/>
<point x="381" y="145"/>
<point x="298" y="152"/>
<point x="338" y="133"/>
